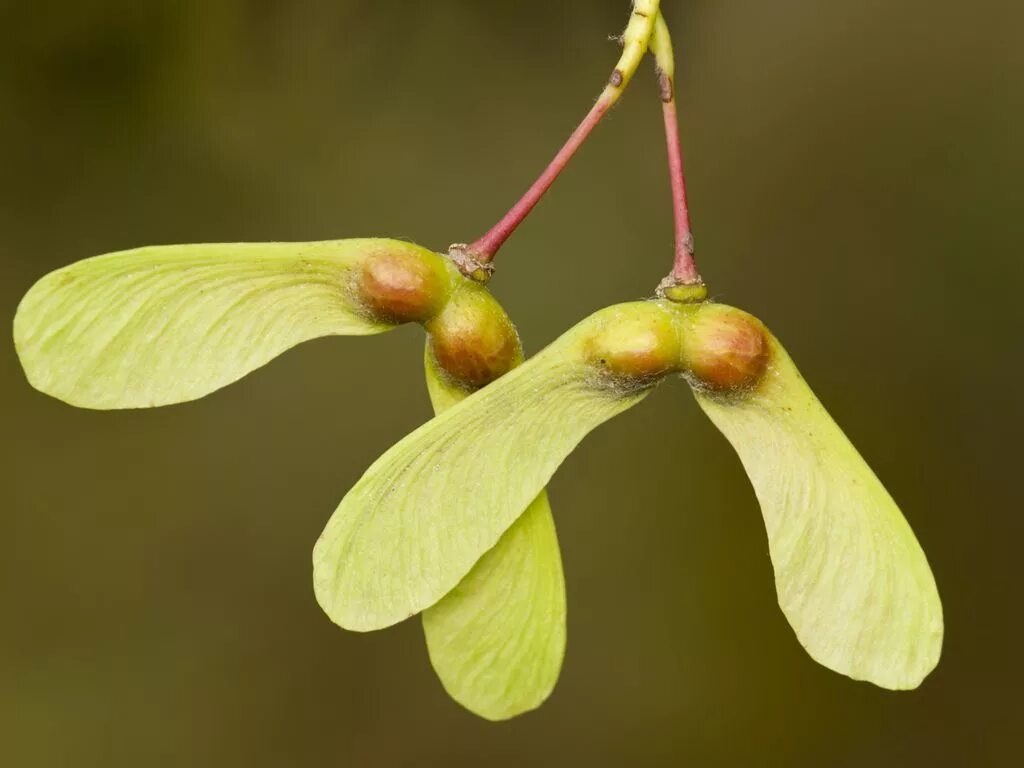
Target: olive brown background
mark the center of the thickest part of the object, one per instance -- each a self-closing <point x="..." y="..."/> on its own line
<point x="855" y="177"/>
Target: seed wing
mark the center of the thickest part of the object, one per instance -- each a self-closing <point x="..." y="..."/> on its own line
<point x="497" y="640"/>
<point x="851" y="577"/>
<point x="167" y="324"/>
<point x="430" y="507"/>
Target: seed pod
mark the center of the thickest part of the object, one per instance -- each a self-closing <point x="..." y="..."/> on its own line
<point x="637" y="343"/>
<point x="724" y="349"/>
<point x="472" y="339"/>
<point x="161" y="325"/>
<point x="402" y="285"/>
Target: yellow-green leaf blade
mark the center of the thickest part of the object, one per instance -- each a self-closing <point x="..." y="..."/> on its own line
<point x="429" y="508"/>
<point x="167" y="324"/>
<point x="497" y="640"/>
<point x="851" y="577"/>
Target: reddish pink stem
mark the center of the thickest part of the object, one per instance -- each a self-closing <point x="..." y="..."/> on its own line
<point x="684" y="269"/>
<point x="487" y="246"/>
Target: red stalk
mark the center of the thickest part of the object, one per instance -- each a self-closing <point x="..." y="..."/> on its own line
<point x="487" y="246"/>
<point x="684" y="269"/>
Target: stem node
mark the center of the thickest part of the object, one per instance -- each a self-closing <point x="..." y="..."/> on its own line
<point x="471" y="263"/>
<point x="674" y="289"/>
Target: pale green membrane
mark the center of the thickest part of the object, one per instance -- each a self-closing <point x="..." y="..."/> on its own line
<point x="497" y="640"/>
<point x="167" y="324"/>
<point x="850" y="576"/>
<point x="429" y="508"/>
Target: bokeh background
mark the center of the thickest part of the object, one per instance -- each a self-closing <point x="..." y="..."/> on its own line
<point x="855" y="174"/>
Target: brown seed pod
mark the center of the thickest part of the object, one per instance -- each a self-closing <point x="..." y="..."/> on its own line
<point x="472" y="339"/>
<point x="725" y="349"/>
<point x="400" y="286"/>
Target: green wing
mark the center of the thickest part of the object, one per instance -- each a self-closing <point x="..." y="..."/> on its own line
<point x="497" y="640"/>
<point x="167" y="324"/>
<point x="850" y="576"/>
<point x="429" y="508"/>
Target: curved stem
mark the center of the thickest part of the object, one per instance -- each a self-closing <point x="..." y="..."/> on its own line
<point x="684" y="268"/>
<point x="635" y="39"/>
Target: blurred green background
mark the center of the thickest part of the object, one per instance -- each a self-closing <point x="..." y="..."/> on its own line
<point x="855" y="174"/>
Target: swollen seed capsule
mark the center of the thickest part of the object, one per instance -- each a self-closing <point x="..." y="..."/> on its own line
<point x="637" y="344"/>
<point x="472" y="339"/>
<point x="400" y="286"/>
<point x="724" y="349"/>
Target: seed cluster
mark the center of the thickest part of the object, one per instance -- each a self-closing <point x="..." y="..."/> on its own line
<point x="718" y="348"/>
<point x="470" y="336"/>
